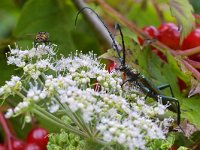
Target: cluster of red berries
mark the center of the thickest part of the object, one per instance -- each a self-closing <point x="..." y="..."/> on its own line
<point x="169" y="34"/>
<point x="37" y="139"/>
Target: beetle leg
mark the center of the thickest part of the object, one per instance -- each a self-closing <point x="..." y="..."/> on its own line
<point x="166" y="86"/>
<point x="173" y="100"/>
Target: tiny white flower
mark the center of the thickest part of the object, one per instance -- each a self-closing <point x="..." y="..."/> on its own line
<point x="9" y="113"/>
<point x="107" y="137"/>
<point x="36" y="98"/>
<point x="10" y="83"/>
<point x="122" y="138"/>
<point x="112" y="130"/>
<point x="1" y="91"/>
<point x="28" y="119"/>
<point x="53" y="108"/>
<point x="80" y="105"/>
<point x="42" y="95"/>
<point x="30" y="93"/>
<point x="99" y="78"/>
<point x="84" y="81"/>
<point x="16" y="109"/>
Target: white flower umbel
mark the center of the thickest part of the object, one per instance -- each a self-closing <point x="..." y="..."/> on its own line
<point x="67" y="86"/>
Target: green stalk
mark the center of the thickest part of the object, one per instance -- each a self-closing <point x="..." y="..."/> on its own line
<point x="80" y="120"/>
<point x="85" y="126"/>
<point x="44" y="114"/>
<point x="20" y="94"/>
<point x="40" y="81"/>
<point x="69" y="113"/>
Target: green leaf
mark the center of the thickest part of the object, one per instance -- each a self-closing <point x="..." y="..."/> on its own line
<point x="196" y="6"/>
<point x="147" y="16"/>
<point x="182" y="10"/>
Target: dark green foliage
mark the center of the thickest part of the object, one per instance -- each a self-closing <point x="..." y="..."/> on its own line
<point x="196" y="5"/>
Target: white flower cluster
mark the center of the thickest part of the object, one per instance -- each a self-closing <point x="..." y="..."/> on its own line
<point x="11" y="87"/>
<point x="129" y="122"/>
<point x="32" y="60"/>
<point x="35" y="94"/>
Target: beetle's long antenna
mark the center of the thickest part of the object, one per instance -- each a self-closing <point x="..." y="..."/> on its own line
<point x="123" y="45"/>
<point x="111" y="36"/>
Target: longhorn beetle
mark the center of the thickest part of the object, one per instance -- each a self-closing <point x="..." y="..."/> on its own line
<point x="144" y="84"/>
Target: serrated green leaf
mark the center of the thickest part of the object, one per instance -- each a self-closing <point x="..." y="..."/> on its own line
<point x="182" y="10"/>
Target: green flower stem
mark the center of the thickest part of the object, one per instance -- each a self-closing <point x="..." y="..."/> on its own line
<point x="44" y="114"/>
<point x="70" y="114"/>
<point x="89" y="130"/>
<point x="93" y="129"/>
<point x="96" y="133"/>
<point x="20" y="94"/>
<point x="40" y="81"/>
<point x="78" y="120"/>
<point x="43" y="76"/>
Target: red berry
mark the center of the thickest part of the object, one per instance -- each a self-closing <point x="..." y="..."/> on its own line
<point x="32" y="146"/>
<point x="184" y="45"/>
<point x="111" y="67"/>
<point x="2" y="147"/>
<point x="169" y="35"/>
<point x="38" y="136"/>
<point x="151" y="31"/>
<point x="154" y="33"/>
<point x="17" y="144"/>
<point x="193" y="39"/>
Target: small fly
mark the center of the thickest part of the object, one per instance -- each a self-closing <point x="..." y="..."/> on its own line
<point x="41" y="37"/>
